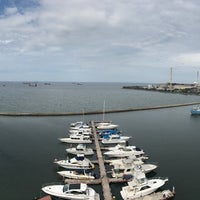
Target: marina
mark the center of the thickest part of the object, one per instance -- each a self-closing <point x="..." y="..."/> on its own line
<point x="33" y="144"/>
<point x="135" y="176"/>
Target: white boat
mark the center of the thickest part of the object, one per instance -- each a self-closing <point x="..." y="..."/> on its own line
<point x="160" y="195"/>
<point x="129" y="161"/>
<point x="78" y="162"/>
<point x="115" y="139"/>
<point x="76" y="175"/>
<point x="127" y="171"/>
<point x="124" y="151"/>
<point x="80" y="149"/>
<point x="71" y="191"/>
<point x="106" y="125"/>
<point x="75" y="124"/>
<point x="141" y="186"/>
<point x="85" y="131"/>
<point x="76" y="138"/>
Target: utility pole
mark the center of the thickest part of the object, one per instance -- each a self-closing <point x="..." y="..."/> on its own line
<point x="170" y="86"/>
<point x="197" y="82"/>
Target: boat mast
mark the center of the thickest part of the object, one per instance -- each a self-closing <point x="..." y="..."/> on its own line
<point x="83" y="116"/>
<point x="103" y="110"/>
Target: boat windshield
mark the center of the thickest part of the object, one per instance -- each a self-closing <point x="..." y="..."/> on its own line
<point x="65" y="188"/>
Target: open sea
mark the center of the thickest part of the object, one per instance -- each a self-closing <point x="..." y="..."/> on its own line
<point x="29" y="145"/>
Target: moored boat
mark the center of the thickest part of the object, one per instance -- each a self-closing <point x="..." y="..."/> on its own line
<point x="195" y="110"/>
<point x="77" y="139"/>
<point x="71" y="191"/>
<point x="114" y="139"/>
<point x="160" y="195"/>
<point x="79" y="162"/>
<point x="127" y="171"/>
<point x="76" y="175"/>
<point x="80" y="149"/>
<point x="140" y="186"/>
<point x="106" y="125"/>
<point x="124" y="151"/>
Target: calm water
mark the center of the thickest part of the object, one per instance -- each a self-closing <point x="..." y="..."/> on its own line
<point x="29" y="144"/>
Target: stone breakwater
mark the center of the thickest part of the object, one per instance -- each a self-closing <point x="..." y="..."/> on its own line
<point x="27" y="114"/>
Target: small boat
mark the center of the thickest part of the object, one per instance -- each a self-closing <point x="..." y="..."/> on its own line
<point x="127" y="171"/>
<point x="129" y="161"/>
<point x="80" y="149"/>
<point x="76" y="175"/>
<point x="77" y="139"/>
<point x="160" y="195"/>
<point x="76" y="124"/>
<point x="195" y="110"/>
<point x="124" y="151"/>
<point x="79" y="162"/>
<point x="114" y="139"/>
<point x="106" y="125"/>
<point x="80" y="125"/>
<point x="71" y="191"/>
<point x="140" y="186"/>
<point x="109" y="132"/>
<point x="82" y="131"/>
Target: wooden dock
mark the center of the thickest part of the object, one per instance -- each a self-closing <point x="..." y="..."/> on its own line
<point x="104" y="179"/>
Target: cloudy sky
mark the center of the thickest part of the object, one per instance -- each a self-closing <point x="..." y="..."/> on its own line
<point x="106" y="41"/>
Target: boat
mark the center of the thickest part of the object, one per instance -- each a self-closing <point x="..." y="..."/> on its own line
<point x="71" y="191"/>
<point x="160" y="195"/>
<point x="195" y="110"/>
<point x="109" y="132"/>
<point x="77" y="124"/>
<point x="79" y="162"/>
<point x="80" y="149"/>
<point x="124" y="151"/>
<point x="106" y="125"/>
<point x="114" y="139"/>
<point x="127" y="161"/>
<point x="127" y="171"/>
<point x="77" y="175"/>
<point x="77" y="139"/>
<point x="140" y="186"/>
<point x="83" y="131"/>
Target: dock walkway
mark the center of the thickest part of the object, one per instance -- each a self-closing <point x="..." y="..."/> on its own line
<point x="104" y="179"/>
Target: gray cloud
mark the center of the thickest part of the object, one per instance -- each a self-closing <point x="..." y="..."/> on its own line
<point x="89" y="35"/>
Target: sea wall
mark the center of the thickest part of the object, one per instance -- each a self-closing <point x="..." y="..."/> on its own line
<point x="18" y="114"/>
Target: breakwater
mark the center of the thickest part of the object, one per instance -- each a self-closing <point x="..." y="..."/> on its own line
<point x="21" y="114"/>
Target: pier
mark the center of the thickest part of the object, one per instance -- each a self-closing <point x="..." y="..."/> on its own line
<point x="104" y="179"/>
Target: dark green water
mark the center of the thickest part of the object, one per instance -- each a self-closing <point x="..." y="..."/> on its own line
<point x="28" y="145"/>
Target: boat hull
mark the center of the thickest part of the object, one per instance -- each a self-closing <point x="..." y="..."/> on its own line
<point x="74" y="175"/>
<point x="57" y="191"/>
<point x="75" y="152"/>
<point x="77" y="141"/>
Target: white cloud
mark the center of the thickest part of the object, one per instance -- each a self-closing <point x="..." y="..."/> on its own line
<point x="93" y="34"/>
<point x="188" y="59"/>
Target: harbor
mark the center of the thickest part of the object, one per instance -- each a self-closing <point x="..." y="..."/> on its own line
<point x="104" y="180"/>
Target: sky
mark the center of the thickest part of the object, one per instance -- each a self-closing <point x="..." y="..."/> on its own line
<point x="99" y="41"/>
